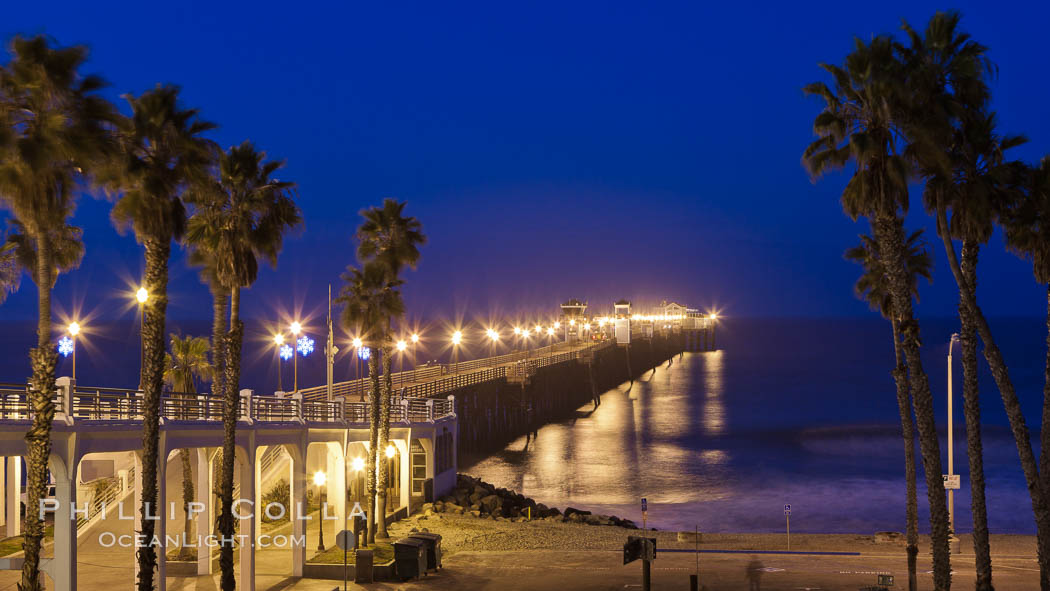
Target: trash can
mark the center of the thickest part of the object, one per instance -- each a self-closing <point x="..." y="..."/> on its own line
<point x="410" y="558"/>
<point x="433" y="542"/>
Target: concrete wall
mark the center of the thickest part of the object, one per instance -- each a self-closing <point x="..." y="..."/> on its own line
<point x="493" y="414"/>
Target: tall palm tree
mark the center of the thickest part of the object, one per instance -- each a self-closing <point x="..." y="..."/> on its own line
<point x="185" y="365"/>
<point x="54" y="129"/>
<point x="369" y="298"/>
<point x="391" y="240"/>
<point x="872" y="287"/>
<point x="1027" y="226"/>
<point x="241" y="217"/>
<point x="860" y="125"/>
<point x="164" y="152"/>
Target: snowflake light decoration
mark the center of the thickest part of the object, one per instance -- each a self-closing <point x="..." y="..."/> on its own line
<point x="363" y="353"/>
<point x="286" y="352"/>
<point x="65" y="346"/>
<point x="305" y="345"/>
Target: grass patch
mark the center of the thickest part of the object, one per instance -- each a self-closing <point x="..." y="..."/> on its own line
<point x="382" y="553"/>
<point x="9" y="546"/>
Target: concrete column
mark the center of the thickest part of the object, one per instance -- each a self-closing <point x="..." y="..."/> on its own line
<point x="163" y="513"/>
<point x="3" y="489"/>
<point x="297" y="483"/>
<point x="335" y="486"/>
<point x="136" y="508"/>
<point x="405" y="447"/>
<point x="63" y="567"/>
<point x="13" y="496"/>
<point x="246" y="530"/>
<point x="205" y="519"/>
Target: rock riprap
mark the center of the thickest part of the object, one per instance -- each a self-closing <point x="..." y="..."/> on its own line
<point x="477" y="498"/>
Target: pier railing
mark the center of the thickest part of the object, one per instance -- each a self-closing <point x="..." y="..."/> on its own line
<point x="429" y="381"/>
<point x="75" y="403"/>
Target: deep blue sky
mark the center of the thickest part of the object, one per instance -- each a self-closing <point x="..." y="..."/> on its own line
<point x="596" y="150"/>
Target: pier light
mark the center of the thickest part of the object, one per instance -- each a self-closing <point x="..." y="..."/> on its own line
<point x="390" y="451"/>
<point x="572" y="322"/>
<point x="492" y="334"/>
<point x="319" y="478"/>
<point x="557" y="325"/>
<point x="517" y="330"/>
<point x="142" y="295"/>
<point x="550" y="332"/>
<point x="414" y="338"/>
<point x="538" y="329"/>
<point x="74" y="328"/>
<point x="714" y="316"/>
<point x="402" y="345"/>
<point x="356" y="342"/>
<point x="295" y="328"/>
<point x="457" y="337"/>
<point x="601" y="323"/>
<point x="357" y="464"/>
<point x="278" y="339"/>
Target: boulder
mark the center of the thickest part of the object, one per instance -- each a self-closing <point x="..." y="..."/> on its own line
<point x="571" y="510"/>
<point x="889" y="537"/>
<point x="452" y="508"/>
<point x="428" y="506"/>
<point x="491" y="503"/>
<point x="475" y="513"/>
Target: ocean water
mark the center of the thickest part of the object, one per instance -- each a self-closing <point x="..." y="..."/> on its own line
<point x="787" y="411"/>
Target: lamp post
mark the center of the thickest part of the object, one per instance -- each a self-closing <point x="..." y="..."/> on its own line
<point x="141" y="295"/>
<point x="951" y="447"/>
<point x="493" y="339"/>
<point x="74" y="330"/>
<point x="278" y="341"/>
<point x="550" y="340"/>
<point x="401" y="346"/>
<point x="356" y="344"/>
<point x="415" y="341"/>
<point x="457" y="338"/>
<point x="319" y="480"/>
<point x="295" y="329"/>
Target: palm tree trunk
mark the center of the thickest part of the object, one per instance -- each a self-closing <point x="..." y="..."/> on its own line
<point x="384" y="438"/>
<point x="972" y="412"/>
<point x="38" y="438"/>
<point x="157" y="253"/>
<point x="187" y="498"/>
<point x="231" y="408"/>
<point x="218" y="332"/>
<point x="1044" y="433"/>
<point x="911" y="511"/>
<point x="373" y="443"/>
<point x="1011" y="403"/>
<point x="890" y="235"/>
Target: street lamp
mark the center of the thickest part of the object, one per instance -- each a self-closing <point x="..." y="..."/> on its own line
<point x="74" y="330"/>
<point x="951" y="447"/>
<point x="319" y="480"/>
<point x="295" y="329"/>
<point x="415" y="341"/>
<point x="401" y="346"/>
<point x="550" y="339"/>
<point x="457" y="338"/>
<point x="141" y="295"/>
<point x="493" y="338"/>
<point x="278" y="341"/>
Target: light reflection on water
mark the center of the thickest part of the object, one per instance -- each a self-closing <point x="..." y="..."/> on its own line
<point x="722" y="440"/>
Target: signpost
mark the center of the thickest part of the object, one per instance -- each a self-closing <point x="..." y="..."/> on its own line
<point x="347" y="540"/>
<point x="641" y="548"/>
<point x="645" y="514"/>
<point x="951" y="481"/>
<point x="787" y="518"/>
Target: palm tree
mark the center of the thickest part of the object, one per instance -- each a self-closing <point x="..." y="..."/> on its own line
<point x="54" y="128"/>
<point x="390" y="240"/>
<point x="859" y="125"/>
<point x="1027" y="226"/>
<point x="370" y="297"/>
<point x="241" y="216"/>
<point x="954" y="143"/>
<point x="872" y="287"/>
<point x="163" y="152"/>
<point x="185" y="365"/>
